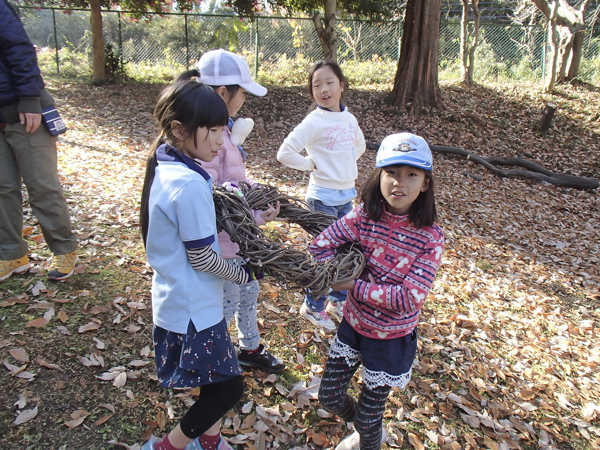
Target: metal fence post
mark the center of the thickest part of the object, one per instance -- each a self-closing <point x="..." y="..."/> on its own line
<point x="187" y="45"/>
<point x="544" y="55"/>
<point x="120" y="43"/>
<point x="55" y="43"/>
<point x="256" y="44"/>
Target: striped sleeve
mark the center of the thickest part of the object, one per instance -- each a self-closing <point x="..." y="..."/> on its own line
<point x="205" y="259"/>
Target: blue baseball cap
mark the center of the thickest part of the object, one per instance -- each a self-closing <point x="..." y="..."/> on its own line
<point x="404" y="148"/>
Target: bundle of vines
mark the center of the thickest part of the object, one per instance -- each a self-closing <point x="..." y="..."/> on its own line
<point x="291" y="266"/>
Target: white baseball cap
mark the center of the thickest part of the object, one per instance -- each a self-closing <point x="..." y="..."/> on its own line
<point x="223" y="68"/>
<point x="404" y="148"/>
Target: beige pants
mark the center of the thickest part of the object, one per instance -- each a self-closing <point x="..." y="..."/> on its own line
<point x="31" y="157"/>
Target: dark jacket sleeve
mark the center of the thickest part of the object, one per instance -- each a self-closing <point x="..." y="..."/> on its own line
<point x="20" y="78"/>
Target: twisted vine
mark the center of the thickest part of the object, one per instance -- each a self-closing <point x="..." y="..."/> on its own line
<point x="289" y="266"/>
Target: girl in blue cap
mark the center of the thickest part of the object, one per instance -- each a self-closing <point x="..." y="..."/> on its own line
<point x="395" y="224"/>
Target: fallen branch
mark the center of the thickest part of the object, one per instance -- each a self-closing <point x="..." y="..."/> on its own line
<point x="533" y="170"/>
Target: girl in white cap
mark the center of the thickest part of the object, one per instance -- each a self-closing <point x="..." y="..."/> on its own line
<point x="395" y="224"/>
<point x="228" y="74"/>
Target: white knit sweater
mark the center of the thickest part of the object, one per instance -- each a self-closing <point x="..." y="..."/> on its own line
<point x="333" y="141"/>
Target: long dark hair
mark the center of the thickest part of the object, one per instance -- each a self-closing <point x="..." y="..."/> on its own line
<point x="337" y="70"/>
<point x="422" y="212"/>
<point x="193" y="104"/>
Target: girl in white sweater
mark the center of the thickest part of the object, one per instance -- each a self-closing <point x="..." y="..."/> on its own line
<point x="334" y="142"/>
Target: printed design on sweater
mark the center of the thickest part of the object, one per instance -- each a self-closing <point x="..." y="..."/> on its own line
<point x="339" y="135"/>
<point x="402" y="260"/>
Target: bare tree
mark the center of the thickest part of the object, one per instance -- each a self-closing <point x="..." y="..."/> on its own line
<point x="467" y="50"/>
<point x="566" y="33"/>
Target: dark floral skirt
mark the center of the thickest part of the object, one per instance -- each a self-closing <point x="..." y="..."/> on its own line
<point x="195" y="358"/>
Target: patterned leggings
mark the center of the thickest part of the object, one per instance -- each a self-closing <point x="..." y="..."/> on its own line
<point x="367" y="413"/>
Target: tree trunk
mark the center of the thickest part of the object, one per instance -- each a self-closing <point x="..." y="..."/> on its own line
<point x="97" y="43"/>
<point x="576" y="58"/>
<point x="326" y="31"/>
<point x="416" y="82"/>
<point x="475" y="43"/>
<point x="564" y="53"/>
<point x="464" y="48"/>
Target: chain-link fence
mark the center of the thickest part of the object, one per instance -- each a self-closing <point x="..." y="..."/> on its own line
<point x="170" y="43"/>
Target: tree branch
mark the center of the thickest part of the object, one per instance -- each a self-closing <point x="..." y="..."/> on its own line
<point x="534" y="171"/>
<point x="531" y="170"/>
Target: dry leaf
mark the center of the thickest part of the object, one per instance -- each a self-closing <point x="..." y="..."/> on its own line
<point x="102" y="420"/>
<point x="415" y="441"/>
<point x="19" y="354"/>
<point x="42" y="362"/>
<point x="88" y="327"/>
<point x="25" y="416"/>
<point x="37" y="288"/>
<point x="247" y="407"/>
<point x="120" y="380"/>
<point x="139" y="363"/>
<point x="99" y="344"/>
<point x="248" y="422"/>
<point x="78" y="418"/>
<point x="160" y="419"/>
<point x="37" y="323"/>
<point x="527" y="394"/>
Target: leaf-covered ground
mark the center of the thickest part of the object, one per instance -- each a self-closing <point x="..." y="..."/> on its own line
<point x="509" y="350"/>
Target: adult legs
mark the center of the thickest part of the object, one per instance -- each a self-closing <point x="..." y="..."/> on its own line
<point x="12" y="245"/>
<point x="35" y="156"/>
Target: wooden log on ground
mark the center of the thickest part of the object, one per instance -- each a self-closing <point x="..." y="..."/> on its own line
<point x="531" y="170"/>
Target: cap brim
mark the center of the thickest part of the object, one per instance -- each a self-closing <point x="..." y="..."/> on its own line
<point x="255" y="88"/>
<point x="395" y="161"/>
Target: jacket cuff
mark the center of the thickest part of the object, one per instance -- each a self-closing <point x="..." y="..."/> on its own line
<point x="30" y="105"/>
<point x="258" y="217"/>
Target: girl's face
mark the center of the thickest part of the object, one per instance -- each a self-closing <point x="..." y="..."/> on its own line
<point x="400" y="187"/>
<point x="208" y="142"/>
<point x="233" y="102"/>
<point x="327" y="88"/>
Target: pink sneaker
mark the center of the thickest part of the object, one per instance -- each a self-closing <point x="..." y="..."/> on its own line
<point x="319" y="319"/>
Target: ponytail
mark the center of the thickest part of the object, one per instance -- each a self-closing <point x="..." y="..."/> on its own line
<point x="151" y="164"/>
<point x="187" y="75"/>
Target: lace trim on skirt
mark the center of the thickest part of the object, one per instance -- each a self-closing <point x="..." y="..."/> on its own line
<point x="372" y="379"/>
<point x="340" y="350"/>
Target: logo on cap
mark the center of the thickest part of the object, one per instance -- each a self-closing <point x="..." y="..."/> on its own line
<point x="404" y="147"/>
